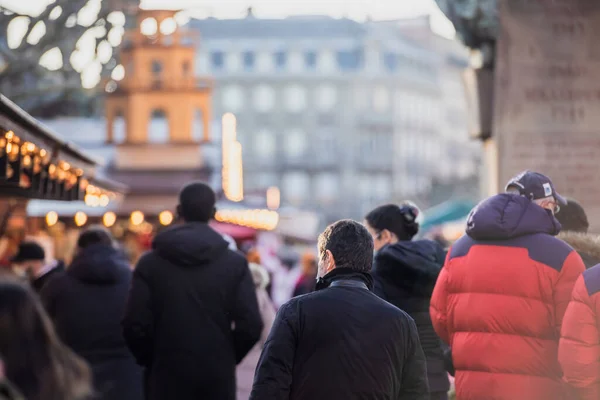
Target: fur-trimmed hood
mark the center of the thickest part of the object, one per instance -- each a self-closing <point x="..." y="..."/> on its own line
<point x="586" y="244"/>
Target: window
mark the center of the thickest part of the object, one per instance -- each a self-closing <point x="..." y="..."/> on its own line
<point x="326" y="146"/>
<point x="296" y="62"/>
<point x="310" y="60"/>
<point x="390" y="60"/>
<point x="264" y="144"/>
<point x="381" y="99"/>
<point x="326" y="97"/>
<point x="233" y="61"/>
<point x="360" y="95"/>
<point x="198" y="126"/>
<point x="266" y="179"/>
<point x="349" y="60"/>
<point x="158" y="130"/>
<point x="217" y="60"/>
<point x="327" y="187"/>
<point x="264" y="98"/>
<point x="381" y="187"/>
<point x="264" y="63"/>
<point x="295" y="187"/>
<point x="295" y="143"/>
<point x="295" y="98"/>
<point x="327" y="61"/>
<point x="280" y="59"/>
<point x="233" y="98"/>
<point x="119" y="128"/>
<point x="157" y="67"/>
<point x="248" y="60"/>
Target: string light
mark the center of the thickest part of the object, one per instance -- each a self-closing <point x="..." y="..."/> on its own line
<point x="137" y="218"/>
<point x="165" y="218"/>
<point x="80" y="218"/>
<point x="51" y="218"/>
<point x="109" y="219"/>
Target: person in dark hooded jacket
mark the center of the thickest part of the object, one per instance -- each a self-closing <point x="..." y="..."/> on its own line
<point x="405" y="273"/>
<point x="574" y="231"/>
<point x="86" y="303"/>
<point x="192" y="313"/>
<point x="342" y="341"/>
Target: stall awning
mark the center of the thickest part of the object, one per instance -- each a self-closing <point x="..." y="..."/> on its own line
<point x="235" y="231"/>
<point x="446" y="212"/>
<point x="36" y="163"/>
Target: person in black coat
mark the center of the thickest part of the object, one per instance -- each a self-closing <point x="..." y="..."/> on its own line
<point x="342" y="341"/>
<point x="405" y="273"/>
<point x="192" y="313"/>
<point x="86" y="303"/>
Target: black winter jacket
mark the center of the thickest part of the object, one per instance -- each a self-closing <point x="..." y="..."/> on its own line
<point x="405" y="274"/>
<point x="192" y="314"/>
<point x="341" y="342"/>
<point x="86" y="304"/>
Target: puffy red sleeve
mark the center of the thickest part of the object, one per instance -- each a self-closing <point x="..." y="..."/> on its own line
<point x="437" y="307"/>
<point x="579" y="349"/>
<point x="571" y="270"/>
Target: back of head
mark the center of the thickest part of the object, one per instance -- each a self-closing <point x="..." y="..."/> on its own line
<point x="34" y="358"/>
<point x="399" y="220"/>
<point x="95" y="235"/>
<point x="572" y="217"/>
<point x="350" y="243"/>
<point x="197" y="202"/>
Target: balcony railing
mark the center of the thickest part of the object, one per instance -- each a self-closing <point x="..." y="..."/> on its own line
<point x="158" y="84"/>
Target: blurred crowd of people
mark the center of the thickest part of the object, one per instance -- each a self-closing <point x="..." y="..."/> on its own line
<point x="510" y="310"/>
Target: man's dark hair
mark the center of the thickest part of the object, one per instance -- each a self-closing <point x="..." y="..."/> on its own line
<point x="572" y="217"/>
<point x="197" y="202"/>
<point x="400" y="220"/>
<point x="350" y="244"/>
<point x="94" y="235"/>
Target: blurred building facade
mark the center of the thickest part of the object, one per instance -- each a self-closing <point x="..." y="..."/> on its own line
<point x="341" y="115"/>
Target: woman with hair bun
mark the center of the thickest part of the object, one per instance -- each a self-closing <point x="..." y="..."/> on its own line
<point x="404" y="273"/>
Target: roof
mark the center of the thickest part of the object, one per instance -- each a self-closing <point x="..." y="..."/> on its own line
<point x="317" y="27"/>
<point x="30" y="129"/>
<point x="19" y="116"/>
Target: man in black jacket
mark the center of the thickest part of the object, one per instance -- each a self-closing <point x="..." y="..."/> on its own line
<point x="192" y="313"/>
<point x="342" y="341"/>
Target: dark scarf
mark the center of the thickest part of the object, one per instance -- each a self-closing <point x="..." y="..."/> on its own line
<point x="344" y="274"/>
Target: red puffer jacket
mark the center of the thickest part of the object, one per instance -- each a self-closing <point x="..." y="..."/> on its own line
<point x="579" y="350"/>
<point x="500" y="299"/>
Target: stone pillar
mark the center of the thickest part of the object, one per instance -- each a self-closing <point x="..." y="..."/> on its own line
<point x="547" y="94"/>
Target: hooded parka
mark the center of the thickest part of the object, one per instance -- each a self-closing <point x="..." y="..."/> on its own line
<point x="405" y="274"/>
<point x="86" y="304"/>
<point x="500" y="300"/>
<point x="192" y="314"/>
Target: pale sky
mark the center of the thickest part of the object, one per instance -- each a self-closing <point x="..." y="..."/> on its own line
<point x="89" y="64"/>
<point x="355" y="9"/>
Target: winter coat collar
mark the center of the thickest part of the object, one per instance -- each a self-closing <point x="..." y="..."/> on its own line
<point x="505" y="216"/>
<point x="412" y="266"/>
<point x="344" y="274"/>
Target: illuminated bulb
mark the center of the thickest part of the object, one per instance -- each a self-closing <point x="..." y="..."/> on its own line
<point x="109" y="219"/>
<point x="10" y="135"/>
<point x="27" y="161"/>
<point x="51" y="218"/>
<point x="30" y="147"/>
<point x="80" y="218"/>
<point x="104" y="200"/>
<point x="137" y="218"/>
<point x="43" y="153"/>
<point x="165" y="218"/>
